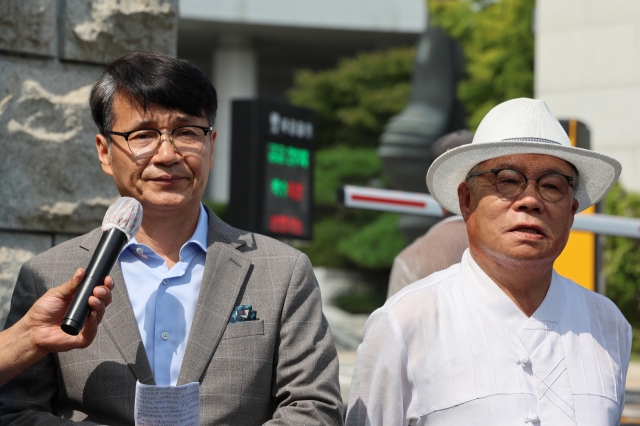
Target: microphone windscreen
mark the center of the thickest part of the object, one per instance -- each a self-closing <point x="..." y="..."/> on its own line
<point x="126" y="215"/>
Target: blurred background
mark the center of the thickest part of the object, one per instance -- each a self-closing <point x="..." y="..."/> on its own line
<point x="385" y="78"/>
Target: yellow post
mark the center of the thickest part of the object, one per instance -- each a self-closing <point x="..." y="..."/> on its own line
<point x="578" y="259"/>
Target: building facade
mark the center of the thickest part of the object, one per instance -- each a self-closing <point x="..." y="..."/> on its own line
<point x="587" y="66"/>
<point x="253" y="47"/>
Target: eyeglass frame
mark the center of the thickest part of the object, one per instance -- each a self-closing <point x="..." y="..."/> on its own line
<point x="570" y="180"/>
<point x="125" y="135"/>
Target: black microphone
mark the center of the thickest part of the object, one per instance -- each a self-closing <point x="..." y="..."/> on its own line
<point x="120" y="224"/>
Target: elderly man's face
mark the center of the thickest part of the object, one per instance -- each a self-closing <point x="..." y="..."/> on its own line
<point x="526" y="228"/>
<point x="167" y="180"/>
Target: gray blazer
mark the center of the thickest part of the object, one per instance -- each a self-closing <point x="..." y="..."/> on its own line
<point x="281" y="369"/>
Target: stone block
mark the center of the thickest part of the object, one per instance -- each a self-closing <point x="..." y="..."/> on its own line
<point x="28" y="26"/>
<point x="52" y="180"/>
<point x="99" y="31"/>
<point x="15" y="249"/>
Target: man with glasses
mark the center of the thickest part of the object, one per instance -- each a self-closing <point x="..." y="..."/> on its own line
<point x="195" y="300"/>
<point x="501" y="338"/>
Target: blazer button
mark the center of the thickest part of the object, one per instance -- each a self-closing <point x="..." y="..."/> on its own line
<point x="164" y="335"/>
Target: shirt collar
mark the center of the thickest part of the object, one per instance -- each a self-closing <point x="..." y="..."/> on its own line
<point x="453" y="218"/>
<point x="198" y="238"/>
<point x="498" y="305"/>
<point x="553" y="303"/>
<point x="202" y="229"/>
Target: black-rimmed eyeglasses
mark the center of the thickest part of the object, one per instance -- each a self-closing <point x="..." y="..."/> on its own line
<point x="145" y="142"/>
<point x="511" y="183"/>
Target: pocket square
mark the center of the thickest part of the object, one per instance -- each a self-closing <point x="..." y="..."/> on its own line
<point x="242" y="313"/>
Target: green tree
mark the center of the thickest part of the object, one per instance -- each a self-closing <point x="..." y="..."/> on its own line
<point x="498" y="43"/>
<point x="356" y="99"/>
<point x="353" y="102"/>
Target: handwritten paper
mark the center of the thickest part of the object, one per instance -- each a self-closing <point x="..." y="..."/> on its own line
<point x="167" y="405"/>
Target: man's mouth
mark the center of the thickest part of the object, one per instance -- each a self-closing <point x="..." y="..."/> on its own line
<point x="166" y="179"/>
<point x="528" y="230"/>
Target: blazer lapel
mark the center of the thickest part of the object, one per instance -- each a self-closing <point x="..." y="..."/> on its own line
<point x="120" y="322"/>
<point x="225" y="271"/>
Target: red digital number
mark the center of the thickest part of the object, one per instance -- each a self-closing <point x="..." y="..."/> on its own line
<point x="296" y="191"/>
<point x="284" y="224"/>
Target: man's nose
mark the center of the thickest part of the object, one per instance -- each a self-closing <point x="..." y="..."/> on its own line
<point x="530" y="197"/>
<point x="166" y="149"/>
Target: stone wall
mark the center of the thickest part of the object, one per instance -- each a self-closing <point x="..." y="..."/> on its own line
<point x="51" y="52"/>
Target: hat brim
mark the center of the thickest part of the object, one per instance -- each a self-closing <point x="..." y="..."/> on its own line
<point x="597" y="172"/>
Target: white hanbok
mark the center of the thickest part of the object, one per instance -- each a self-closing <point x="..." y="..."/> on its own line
<point x="453" y="349"/>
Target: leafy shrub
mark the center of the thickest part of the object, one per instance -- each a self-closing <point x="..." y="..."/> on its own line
<point x="353" y="102"/>
<point x="622" y="257"/>
<point x="356" y="99"/>
<point x="348" y="237"/>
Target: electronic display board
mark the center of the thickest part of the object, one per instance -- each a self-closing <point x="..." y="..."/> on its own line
<point x="272" y="154"/>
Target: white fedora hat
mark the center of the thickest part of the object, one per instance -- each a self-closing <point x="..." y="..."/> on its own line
<point x="521" y="126"/>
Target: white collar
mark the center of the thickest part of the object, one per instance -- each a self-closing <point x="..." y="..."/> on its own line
<point x="199" y="237"/>
<point x="497" y="305"/>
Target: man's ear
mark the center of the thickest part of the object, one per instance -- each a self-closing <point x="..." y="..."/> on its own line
<point x="464" y="199"/>
<point x="103" y="154"/>
<point x="214" y="135"/>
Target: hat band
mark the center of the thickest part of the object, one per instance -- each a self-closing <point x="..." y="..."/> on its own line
<point x="531" y="140"/>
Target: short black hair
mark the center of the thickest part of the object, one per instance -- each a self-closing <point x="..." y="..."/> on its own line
<point x="153" y="78"/>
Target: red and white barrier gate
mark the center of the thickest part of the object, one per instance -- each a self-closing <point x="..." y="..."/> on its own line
<point x="387" y="200"/>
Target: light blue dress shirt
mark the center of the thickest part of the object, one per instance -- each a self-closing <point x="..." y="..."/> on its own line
<point x="164" y="300"/>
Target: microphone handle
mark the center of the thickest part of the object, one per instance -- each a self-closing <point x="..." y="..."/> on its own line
<point x="100" y="266"/>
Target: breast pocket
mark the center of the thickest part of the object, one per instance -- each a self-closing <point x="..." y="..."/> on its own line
<point x="244" y="329"/>
<point x="239" y="375"/>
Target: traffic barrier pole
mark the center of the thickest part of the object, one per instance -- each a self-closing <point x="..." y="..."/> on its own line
<point x="387" y="200"/>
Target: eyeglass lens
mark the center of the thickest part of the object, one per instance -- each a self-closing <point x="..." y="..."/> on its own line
<point x="511" y="183"/>
<point x="186" y="139"/>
